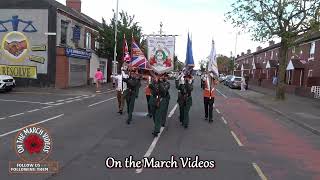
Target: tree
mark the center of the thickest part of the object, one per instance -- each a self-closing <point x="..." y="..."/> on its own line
<point x="125" y="25"/>
<point x="224" y="64"/>
<point x="285" y="19"/>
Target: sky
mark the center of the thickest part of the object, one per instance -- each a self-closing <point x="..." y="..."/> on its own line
<point x="204" y="19"/>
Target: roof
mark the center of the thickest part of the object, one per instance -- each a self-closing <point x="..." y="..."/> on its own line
<point x="88" y="20"/>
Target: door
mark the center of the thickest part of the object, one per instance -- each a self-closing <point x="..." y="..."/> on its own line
<point x="77" y="72"/>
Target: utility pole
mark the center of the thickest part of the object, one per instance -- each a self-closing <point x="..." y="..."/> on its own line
<point x="161" y="25"/>
<point x="115" y="69"/>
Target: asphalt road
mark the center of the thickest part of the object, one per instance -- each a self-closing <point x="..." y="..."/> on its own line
<point x="245" y="141"/>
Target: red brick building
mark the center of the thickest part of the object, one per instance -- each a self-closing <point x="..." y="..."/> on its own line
<point x="303" y="65"/>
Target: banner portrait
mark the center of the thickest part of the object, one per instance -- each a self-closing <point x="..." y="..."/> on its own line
<point x="161" y="53"/>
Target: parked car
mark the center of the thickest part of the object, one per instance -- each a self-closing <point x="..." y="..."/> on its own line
<point x="235" y="82"/>
<point x="228" y="78"/>
<point x="7" y="83"/>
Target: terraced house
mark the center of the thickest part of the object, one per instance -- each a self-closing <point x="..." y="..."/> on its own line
<point x="54" y="43"/>
<point x="302" y="71"/>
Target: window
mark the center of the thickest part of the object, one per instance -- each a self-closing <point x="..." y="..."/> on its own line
<point x="271" y="54"/>
<point x="88" y="40"/>
<point x="265" y="54"/>
<point x="293" y="50"/>
<point x="312" y="50"/>
<point x="64" y="32"/>
<point x="310" y="73"/>
<point x="96" y="45"/>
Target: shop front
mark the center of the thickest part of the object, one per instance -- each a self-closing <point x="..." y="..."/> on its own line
<point x="73" y="67"/>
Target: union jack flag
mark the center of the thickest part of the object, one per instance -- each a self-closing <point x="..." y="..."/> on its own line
<point x="126" y="56"/>
<point x="137" y="57"/>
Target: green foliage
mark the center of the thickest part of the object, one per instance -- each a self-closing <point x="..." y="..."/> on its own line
<point x="125" y="25"/>
<point x="266" y="19"/>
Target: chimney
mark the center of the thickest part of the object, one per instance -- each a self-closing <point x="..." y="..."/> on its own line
<point x="238" y="56"/>
<point x="74" y="4"/>
<point x="259" y="48"/>
<point x="242" y="54"/>
<point x="271" y="43"/>
<point x="249" y="51"/>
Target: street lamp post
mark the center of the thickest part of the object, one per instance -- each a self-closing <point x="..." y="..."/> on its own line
<point x="115" y="41"/>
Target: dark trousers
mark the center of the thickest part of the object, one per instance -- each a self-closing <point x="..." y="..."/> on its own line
<point x="130" y="105"/>
<point x="148" y="103"/>
<point x="208" y="107"/>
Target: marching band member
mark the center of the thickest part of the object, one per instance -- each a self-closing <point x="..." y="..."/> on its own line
<point x="185" y="99"/>
<point x="166" y="98"/>
<point x="132" y="83"/>
<point x="121" y="88"/>
<point x="208" y="95"/>
<point x="147" y="91"/>
<point x="159" y="91"/>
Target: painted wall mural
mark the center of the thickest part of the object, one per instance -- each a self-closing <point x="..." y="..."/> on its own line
<point x="23" y="48"/>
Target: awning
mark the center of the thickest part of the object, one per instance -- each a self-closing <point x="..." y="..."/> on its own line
<point x="256" y="66"/>
<point x="296" y="64"/>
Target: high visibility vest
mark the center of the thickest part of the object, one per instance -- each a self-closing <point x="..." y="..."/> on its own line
<point x="207" y="92"/>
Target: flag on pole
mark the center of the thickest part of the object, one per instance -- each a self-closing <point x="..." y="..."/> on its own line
<point x="189" y="56"/>
<point x="189" y="64"/>
<point x="126" y="55"/>
<point x="138" y="59"/>
<point x="213" y="65"/>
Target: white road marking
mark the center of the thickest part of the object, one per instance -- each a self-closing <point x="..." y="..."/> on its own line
<point x="172" y="111"/>
<point x="31" y="102"/>
<point x="69" y="101"/>
<point x="46" y="107"/>
<point x="224" y="120"/>
<point x="2" y="118"/>
<point x="50" y="102"/>
<point x="222" y="94"/>
<point x="33" y="110"/>
<point x="151" y="148"/>
<point x="102" y="101"/>
<point x="236" y="138"/>
<point x="16" y="115"/>
<point x="60" y="100"/>
<point x="217" y="110"/>
<point x="58" y="104"/>
<point x="8" y="133"/>
<point x="259" y="171"/>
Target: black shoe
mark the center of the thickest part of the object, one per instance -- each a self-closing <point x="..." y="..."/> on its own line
<point x="128" y="122"/>
<point x="210" y="121"/>
<point x="121" y="112"/>
<point x="206" y="119"/>
<point x="163" y="125"/>
<point x="185" y="126"/>
<point x="155" y="134"/>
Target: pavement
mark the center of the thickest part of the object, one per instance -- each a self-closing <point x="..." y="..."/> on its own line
<point x="300" y="110"/>
<point x="246" y="141"/>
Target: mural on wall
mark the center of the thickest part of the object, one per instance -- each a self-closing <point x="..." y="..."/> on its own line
<point x="23" y="48"/>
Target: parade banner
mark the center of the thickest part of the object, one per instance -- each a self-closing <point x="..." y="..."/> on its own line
<point x="161" y="53"/>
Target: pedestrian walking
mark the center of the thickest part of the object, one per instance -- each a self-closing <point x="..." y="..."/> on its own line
<point x="243" y="84"/>
<point x="247" y="82"/>
<point x="98" y="79"/>
<point x="185" y="88"/>
<point x="132" y="83"/>
<point x="209" y="96"/>
<point x="121" y="88"/>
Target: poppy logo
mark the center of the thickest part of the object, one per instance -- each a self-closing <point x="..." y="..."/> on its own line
<point x="33" y="145"/>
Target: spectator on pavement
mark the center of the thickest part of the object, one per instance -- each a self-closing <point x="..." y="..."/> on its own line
<point x="247" y="81"/>
<point x="98" y="79"/>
